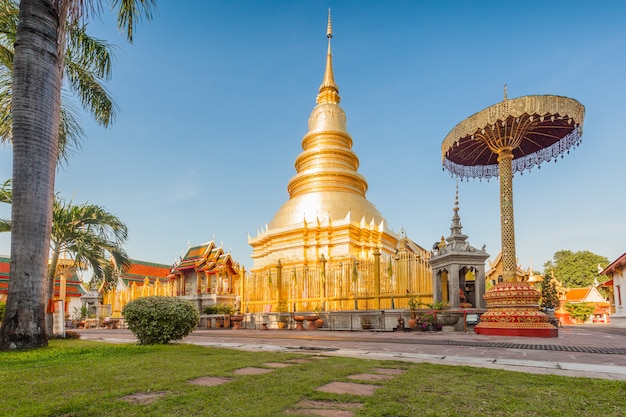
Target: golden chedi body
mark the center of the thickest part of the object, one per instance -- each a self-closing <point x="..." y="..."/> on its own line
<point x="327" y="212"/>
<point x="326" y="244"/>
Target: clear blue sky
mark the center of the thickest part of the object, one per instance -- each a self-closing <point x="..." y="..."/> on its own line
<point x="215" y="97"/>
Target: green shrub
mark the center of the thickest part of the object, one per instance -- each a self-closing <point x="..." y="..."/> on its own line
<point x="218" y="309"/>
<point x="3" y="307"/>
<point x="160" y="320"/>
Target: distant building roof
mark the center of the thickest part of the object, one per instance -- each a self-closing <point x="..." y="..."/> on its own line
<point x="619" y="263"/>
<point x="140" y="270"/>
<point x="585" y="295"/>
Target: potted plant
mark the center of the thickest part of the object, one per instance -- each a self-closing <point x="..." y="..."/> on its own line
<point x="319" y="323"/>
<point x="426" y="321"/>
<point x="283" y="315"/>
<point x="413" y="306"/>
<point x="444" y="318"/>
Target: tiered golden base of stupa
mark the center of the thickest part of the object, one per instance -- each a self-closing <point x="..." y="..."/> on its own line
<point x="513" y="310"/>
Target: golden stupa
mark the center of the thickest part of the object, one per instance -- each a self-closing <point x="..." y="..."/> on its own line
<point x="328" y="246"/>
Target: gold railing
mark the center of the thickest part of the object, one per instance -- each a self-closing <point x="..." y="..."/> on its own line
<point x="353" y="284"/>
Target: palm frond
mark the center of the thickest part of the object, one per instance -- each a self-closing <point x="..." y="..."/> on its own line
<point x="91" y="93"/>
<point x="6" y="192"/>
<point x="6" y="56"/>
<point x="92" y="236"/>
<point x="88" y="63"/>
<point x="9" y="11"/>
<point x="71" y="134"/>
<point x="130" y="12"/>
<point x="95" y="55"/>
<point x="6" y="196"/>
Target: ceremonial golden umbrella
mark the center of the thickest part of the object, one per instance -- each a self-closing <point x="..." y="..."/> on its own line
<point x="509" y="137"/>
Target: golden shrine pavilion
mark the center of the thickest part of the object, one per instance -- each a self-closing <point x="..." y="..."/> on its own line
<point x="328" y="247"/>
<point x="205" y="269"/>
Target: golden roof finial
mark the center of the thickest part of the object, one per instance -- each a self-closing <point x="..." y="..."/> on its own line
<point x="329" y="92"/>
<point x="505" y="97"/>
<point x="329" y="28"/>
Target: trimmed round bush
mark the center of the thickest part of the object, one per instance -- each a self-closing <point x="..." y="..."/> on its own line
<point x="160" y="320"/>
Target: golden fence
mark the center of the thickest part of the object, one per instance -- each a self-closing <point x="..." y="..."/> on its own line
<point x="380" y="283"/>
<point x="118" y="298"/>
<point x="372" y="284"/>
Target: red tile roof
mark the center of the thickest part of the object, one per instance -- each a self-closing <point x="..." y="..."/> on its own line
<point x="576" y="294"/>
<point x="140" y="270"/>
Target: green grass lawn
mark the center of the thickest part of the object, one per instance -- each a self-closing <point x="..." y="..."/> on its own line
<point x="82" y="378"/>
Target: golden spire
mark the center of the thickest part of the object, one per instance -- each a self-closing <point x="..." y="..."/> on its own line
<point x="329" y="92"/>
<point x="326" y="183"/>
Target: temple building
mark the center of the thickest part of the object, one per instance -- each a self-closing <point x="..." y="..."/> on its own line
<point x="615" y="286"/>
<point x="495" y="273"/>
<point x="328" y="247"/>
<point x="206" y="275"/>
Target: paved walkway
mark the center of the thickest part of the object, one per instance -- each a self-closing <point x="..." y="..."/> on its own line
<point x="595" y="351"/>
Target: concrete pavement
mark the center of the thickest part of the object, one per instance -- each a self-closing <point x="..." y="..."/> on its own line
<point x="594" y="351"/>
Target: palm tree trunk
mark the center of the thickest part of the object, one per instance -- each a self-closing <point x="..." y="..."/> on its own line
<point x="36" y="96"/>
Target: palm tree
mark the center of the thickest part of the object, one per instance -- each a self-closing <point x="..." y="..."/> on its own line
<point x="87" y="65"/>
<point x="36" y="94"/>
<point x="88" y="234"/>
<point x="92" y="237"/>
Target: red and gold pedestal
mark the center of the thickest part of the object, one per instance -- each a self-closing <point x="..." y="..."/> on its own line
<point x="513" y="310"/>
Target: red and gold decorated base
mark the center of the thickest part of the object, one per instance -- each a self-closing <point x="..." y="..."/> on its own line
<point x="513" y="310"/>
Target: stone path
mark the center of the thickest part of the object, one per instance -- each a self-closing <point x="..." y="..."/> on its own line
<point x="369" y="383"/>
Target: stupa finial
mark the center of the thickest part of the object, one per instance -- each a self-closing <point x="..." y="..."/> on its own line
<point x="329" y="92"/>
<point x="505" y="97"/>
<point x="329" y="30"/>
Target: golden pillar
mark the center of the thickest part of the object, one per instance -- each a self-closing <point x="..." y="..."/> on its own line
<point x="279" y="281"/>
<point x="377" y="278"/>
<point x="242" y="287"/>
<point x="355" y="282"/>
<point x="507" y="224"/>
<point x="322" y="281"/>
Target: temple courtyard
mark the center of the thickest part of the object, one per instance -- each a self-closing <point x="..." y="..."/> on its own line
<point x="592" y="351"/>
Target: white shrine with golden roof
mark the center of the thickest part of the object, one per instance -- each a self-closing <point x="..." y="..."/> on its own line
<point x="328" y="246"/>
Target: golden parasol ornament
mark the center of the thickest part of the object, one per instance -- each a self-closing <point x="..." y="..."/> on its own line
<point x="509" y="137"/>
<point x="536" y="129"/>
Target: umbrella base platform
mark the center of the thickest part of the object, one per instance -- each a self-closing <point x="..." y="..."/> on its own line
<point x="513" y="310"/>
<point x="515" y="331"/>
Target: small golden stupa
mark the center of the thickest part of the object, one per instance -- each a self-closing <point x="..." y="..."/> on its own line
<point x="324" y="244"/>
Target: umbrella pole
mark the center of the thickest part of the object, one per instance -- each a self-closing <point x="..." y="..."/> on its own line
<point x="507" y="224"/>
